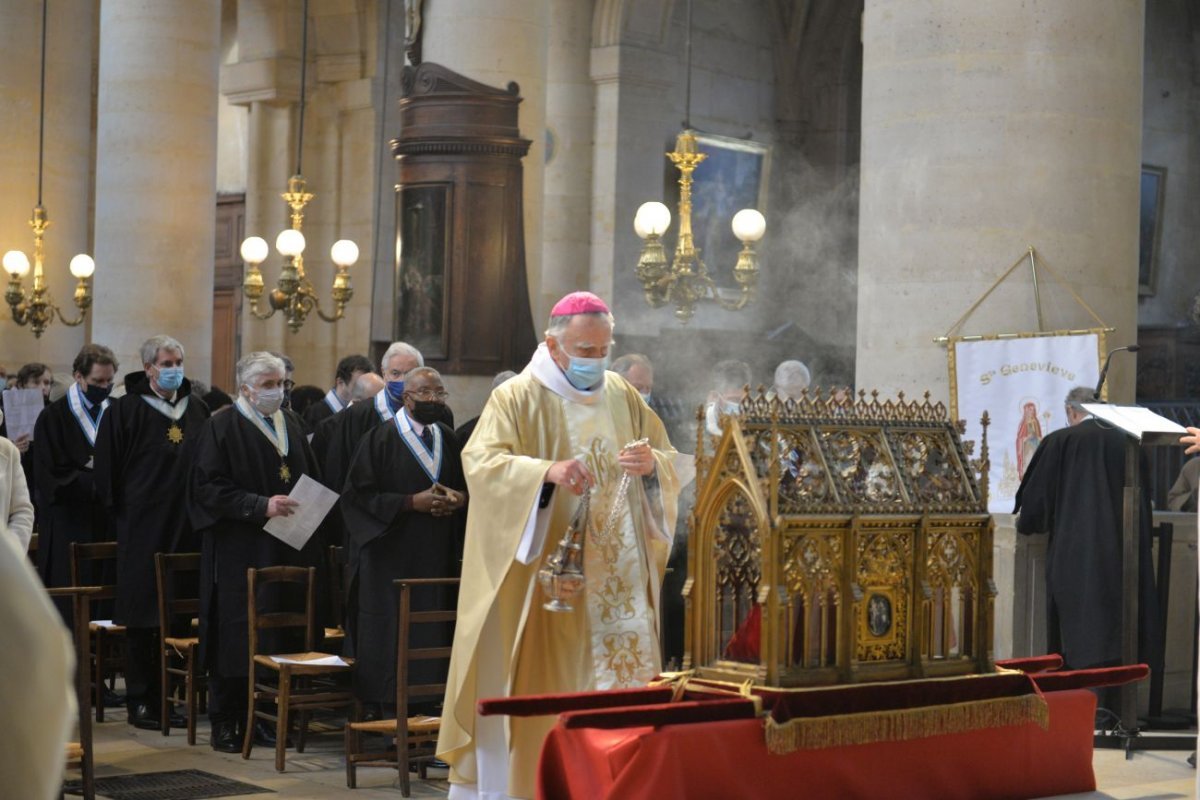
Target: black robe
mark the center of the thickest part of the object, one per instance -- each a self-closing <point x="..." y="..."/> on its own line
<point x="235" y="471"/>
<point x="141" y="476"/>
<point x="317" y="412"/>
<point x="1073" y="489"/>
<point x="388" y="542"/>
<point x="464" y="431"/>
<point x="321" y="436"/>
<point x="351" y="429"/>
<point x="67" y="506"/>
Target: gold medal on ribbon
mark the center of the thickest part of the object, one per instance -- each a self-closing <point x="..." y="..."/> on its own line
<point x="174" y="434"/>
<point x="285" y="473"/>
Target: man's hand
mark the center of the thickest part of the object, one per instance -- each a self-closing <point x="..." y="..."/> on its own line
<point x="22" y="442"/>
<point x="637" y="460"/>
<point x="572" y="474"/>
<point x="453" y="500"/>
<point x="280" y="505"/>
<point x="1192" y="440"/>
<point x="424" y="502"/>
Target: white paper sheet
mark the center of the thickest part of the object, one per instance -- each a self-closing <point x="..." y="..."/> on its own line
<point x="21" y="409"/>
<point x="313" y="502"/>
<point x="1135" y="420"/>
<point x="317" y="661"/>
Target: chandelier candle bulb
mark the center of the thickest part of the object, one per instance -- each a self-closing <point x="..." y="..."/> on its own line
<point x="82" y="266"/>
<point x="344" y="253"/>
<point x="290" y="242"/>
<point x="255" y="250"/>
<point x="16" y="263"/>
<point x="652" y="219"/>
<point x="749" y="225"/>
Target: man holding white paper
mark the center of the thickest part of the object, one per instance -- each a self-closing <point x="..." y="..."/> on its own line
<point x="247" y="461"/>
<point x="1073" y="489"/>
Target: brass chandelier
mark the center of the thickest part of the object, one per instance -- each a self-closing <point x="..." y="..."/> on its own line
<point x="294" y="294"/>
<point x="36" y="308"/>
<point x="685" y="281"/>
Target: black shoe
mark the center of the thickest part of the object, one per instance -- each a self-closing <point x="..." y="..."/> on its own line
<point x="264" y="735"/>
<point x="176" y="720"/>
<point x="113" y="699"/>
<point x="141" y="716"/>
<point x="225" y="737"/>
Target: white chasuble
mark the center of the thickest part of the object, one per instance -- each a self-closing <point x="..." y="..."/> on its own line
<point x="622" y="632"/>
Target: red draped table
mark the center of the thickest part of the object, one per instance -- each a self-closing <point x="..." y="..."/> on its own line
<point x="729" y="759"/>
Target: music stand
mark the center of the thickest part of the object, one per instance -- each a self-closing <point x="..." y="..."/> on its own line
<point x="1142" y="427"/>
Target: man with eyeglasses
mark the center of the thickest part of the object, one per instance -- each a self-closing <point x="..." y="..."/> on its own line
<point x="402" y="506"/>
<point x="561" y="429"/>
<point x="360" y="419"/>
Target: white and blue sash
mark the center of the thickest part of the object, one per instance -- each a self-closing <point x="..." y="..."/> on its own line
<point x="333" y="401"/>
<point x="381" y="406"/>
<point x="277" y="437"/>
<point x="430" y="460"/>
<point x="79" y="406"/>
<point x="171" y="412"/>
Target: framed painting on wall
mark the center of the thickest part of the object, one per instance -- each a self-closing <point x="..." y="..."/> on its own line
<point x="733" y="176"/>
<point x="1154" y="182"/>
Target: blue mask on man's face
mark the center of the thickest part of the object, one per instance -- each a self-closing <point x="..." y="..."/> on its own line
<point x="170" y="378"/>
<point x="585" y="373"/>
<point x="395" y="390"/>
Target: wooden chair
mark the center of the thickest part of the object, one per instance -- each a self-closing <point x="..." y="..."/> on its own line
<point x="178" y="605"/>
<point x="414" y="737"/>
<point x="79" y="754"/>
<point x="294" y="691"/>
<point x="335" y="636"/>
<point x="88" y="563"/>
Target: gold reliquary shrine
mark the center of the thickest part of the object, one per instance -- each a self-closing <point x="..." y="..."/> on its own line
<point x="837" y="540"/>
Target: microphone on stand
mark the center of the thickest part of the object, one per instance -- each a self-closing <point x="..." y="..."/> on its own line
<point x="1132" y="348"/>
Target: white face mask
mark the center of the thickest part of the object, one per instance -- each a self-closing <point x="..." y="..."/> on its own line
<point x="266" y="401"/>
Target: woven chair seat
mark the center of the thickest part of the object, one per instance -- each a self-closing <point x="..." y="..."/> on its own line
<point x="415" y="725"/>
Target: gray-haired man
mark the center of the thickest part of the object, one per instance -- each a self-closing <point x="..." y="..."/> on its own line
<point x="142" y="453"/>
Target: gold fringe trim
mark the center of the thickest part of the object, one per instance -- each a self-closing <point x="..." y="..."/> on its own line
<point x="813" y="733"/>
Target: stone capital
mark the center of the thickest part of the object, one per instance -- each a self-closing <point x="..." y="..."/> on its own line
<point x="633" y="66"/>
<point x="270" y="80"/>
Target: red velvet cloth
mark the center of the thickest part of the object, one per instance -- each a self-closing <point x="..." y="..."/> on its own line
<point x="678" y="713"/>
<point x="730" y="759"/>
<point x="746" y="642"/>
<point x="1090" y="678"/>
<point x="1033" y="663"/>
<point x="865" y="697"/>
<point x="533" y="705"/>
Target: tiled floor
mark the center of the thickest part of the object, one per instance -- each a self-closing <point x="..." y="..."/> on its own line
<point x="320" y="773"/>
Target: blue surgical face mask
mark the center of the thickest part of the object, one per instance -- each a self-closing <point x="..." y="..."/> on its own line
<point x="584" y="373"/>
<point x="645" y="396"/>
<point x="170" y="378"/>
<point x="395" y="390"/>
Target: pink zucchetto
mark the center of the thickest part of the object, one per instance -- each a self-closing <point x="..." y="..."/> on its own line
<point x="579" y="303"/>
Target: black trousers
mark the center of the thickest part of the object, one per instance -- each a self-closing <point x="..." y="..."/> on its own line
<point x="142" y="667"/>
<point x="227" y="698"/>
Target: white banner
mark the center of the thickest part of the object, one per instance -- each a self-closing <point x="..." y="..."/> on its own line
<point x="1021" y="382"/>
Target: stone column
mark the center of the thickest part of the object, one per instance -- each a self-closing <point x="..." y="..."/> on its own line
<point x="156" y="156"/>
<point x="988" y="127"/>
<point x="566" y="218"/>
<point x="67" y="184"/>
<point x="495" y="43"/>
